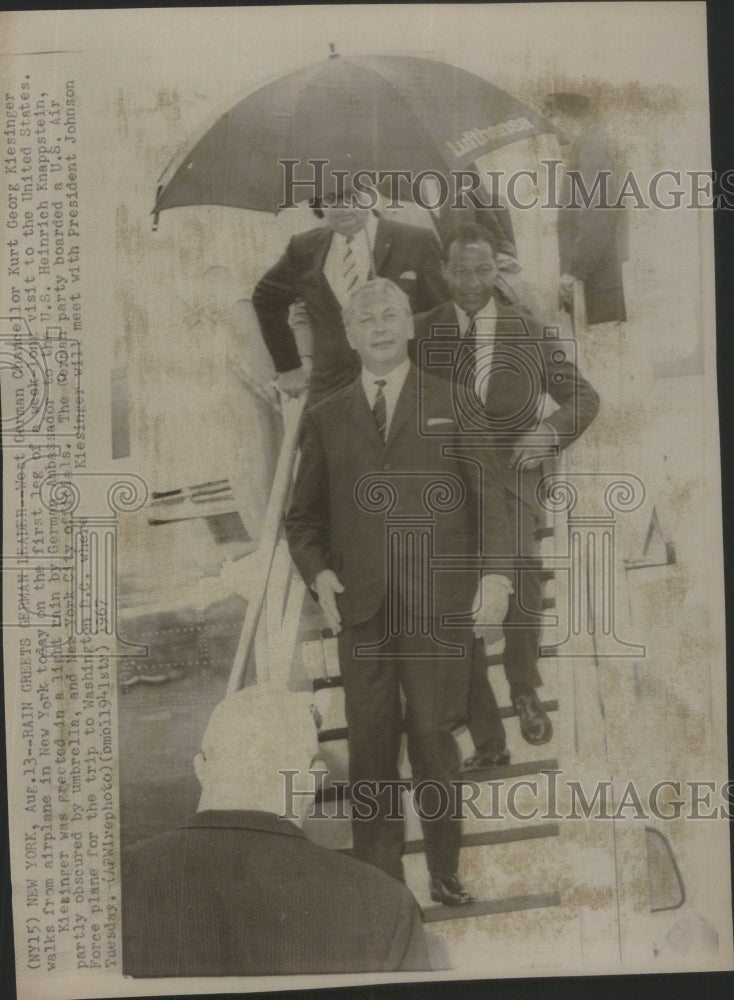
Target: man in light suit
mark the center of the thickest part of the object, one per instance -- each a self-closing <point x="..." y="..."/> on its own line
<point x="502" y="366"/>
<point x="240" y="891"/>
<point x="319" y="269"/>
<point x="374" y="451"/>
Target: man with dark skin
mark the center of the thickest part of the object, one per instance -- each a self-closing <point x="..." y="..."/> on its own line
<point x="502" y="372"/>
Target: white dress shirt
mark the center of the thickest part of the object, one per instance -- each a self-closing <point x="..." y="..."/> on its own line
<point x="362" y="244"/>
<point x="486" y="328"/>
<point x="394" y="382"/>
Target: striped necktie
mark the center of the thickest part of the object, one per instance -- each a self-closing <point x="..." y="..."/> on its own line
<point x="349" y="268"/>
<point x="379" y="408"/>
<point x="471" y="346"/>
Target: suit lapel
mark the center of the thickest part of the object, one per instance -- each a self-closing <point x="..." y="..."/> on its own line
<point x="317" y="259"/>
<point x="504" y="325"/>
<point x="446" y="315"/>
<point x="361" y="413"/>
<point x="507" y="320"/>
<point x="314" y="274"/>
<point x="442" y="316"/>
<point x="405" y="409"/>
<point x="383" y="238"/>
<point x="449" y="316"/>
<point x="406" y="405"/>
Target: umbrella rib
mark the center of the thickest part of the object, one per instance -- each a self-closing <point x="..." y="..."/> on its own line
<point x="223" y="108"/>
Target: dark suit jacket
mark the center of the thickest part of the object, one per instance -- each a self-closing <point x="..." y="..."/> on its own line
<point x="247" y="894"/>
<point x="525" y="366"/>
<point x="399" y="250"/>
<point x="329" y="527"/>
<point x="593" y="241"/>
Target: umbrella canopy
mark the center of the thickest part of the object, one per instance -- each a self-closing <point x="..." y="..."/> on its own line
<point x="365" y="112"/>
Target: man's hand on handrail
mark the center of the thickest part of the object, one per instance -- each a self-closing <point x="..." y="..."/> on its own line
<point x="295" y="382"/>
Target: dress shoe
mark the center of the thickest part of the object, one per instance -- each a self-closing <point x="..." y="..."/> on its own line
<point x="489" y="754"/>
<point x="450" y="892"/>
<point x="535" y="725"/>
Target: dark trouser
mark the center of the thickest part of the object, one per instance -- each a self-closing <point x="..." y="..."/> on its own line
<point x="521" y="633"/>
<point x="436" y="691"/>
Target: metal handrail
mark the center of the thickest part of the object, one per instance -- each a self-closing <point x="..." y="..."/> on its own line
<point x="293" y="410"/>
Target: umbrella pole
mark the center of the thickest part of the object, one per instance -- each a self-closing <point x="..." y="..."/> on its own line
<point x="156" y="214"/>
<point x="293" y="410"/>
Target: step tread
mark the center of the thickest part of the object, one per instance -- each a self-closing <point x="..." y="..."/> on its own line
<point x="484" y="907"/>
<point x="331" y="793"/>
<point x="319" y="683"/>
<point x="495" y="660"/>
<point x="506" y="712"/>
<point x="489" y="837"/>
<point x="517" y="770"/>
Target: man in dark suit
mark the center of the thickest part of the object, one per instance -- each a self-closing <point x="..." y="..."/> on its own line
<point x="502" y="366"/>
<point x="377" y="474"/>
<point x="319" y="268"/>
<point x="498" y="223"/>
<point x="592" y="240"/>
<point x="240" y="891"/>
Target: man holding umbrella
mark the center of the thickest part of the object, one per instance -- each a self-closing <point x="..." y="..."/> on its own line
<point x="320" y="268"/>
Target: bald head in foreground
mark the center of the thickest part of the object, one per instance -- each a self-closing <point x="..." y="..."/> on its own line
<point x="240" y="891"/>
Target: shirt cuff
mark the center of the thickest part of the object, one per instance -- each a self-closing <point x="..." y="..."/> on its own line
<point x="547" y="428"/>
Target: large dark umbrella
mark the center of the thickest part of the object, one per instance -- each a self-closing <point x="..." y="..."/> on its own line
<point x="368" y="112"/>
